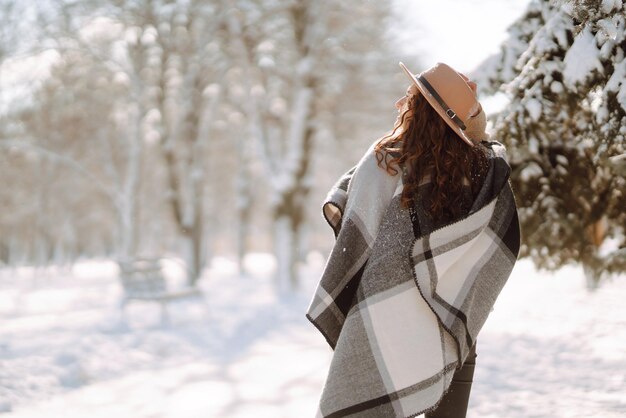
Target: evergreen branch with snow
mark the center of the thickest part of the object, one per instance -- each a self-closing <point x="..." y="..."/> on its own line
<point x="564" y="125"/>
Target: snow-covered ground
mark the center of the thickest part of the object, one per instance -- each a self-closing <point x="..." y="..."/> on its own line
<point x="549" y="349"/>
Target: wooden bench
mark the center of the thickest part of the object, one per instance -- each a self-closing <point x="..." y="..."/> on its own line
<point x="143" y="280"/>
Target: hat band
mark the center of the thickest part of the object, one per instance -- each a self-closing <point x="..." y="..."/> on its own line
<point x="449" y="112"/>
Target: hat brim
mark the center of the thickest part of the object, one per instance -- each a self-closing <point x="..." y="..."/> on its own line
<point x="435" y="105"/>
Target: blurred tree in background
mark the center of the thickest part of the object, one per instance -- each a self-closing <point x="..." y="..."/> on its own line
<point x="564" y="71"/>
<point x="294" y="77"/>
<point x="170" y="126"/>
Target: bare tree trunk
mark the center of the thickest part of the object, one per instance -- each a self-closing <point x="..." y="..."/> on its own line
<point x="292" y="200"/>
<point x="289" y="220"/>
<point x="286" y="165"/>
<point x="243" y="202"/>
<point x="194" y="235"/>
<point x="198" y="132"/>
<point x="284" y="241"/>
<point x="128" y="200"/>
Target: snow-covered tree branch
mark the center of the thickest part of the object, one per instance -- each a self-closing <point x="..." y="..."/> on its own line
<point x="565" y="122"/>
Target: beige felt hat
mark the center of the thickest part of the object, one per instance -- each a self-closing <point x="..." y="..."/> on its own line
<point x="449" y="94"/>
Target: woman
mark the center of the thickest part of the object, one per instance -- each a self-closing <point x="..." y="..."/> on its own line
<point x="426" y="236"/>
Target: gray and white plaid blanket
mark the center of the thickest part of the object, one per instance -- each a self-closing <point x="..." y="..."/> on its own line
<point x="401" y="313"/>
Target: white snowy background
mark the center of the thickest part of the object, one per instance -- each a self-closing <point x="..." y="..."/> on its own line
<point x="551" y="348"/>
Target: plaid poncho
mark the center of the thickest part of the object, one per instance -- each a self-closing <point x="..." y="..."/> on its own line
<point x="401" y="313"/>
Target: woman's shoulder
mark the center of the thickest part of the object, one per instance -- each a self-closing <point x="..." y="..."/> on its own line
<point x="498" y="148"/>
<point x="389" y="153"/>
<point x="499" y="159"/>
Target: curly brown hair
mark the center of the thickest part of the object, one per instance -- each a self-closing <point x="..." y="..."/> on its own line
<point x="423" y="143"/>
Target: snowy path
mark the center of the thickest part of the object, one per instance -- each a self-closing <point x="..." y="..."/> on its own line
<point x="549" y="349"/>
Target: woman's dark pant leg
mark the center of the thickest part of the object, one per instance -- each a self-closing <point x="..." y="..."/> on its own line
<point x="454" y="402"/>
